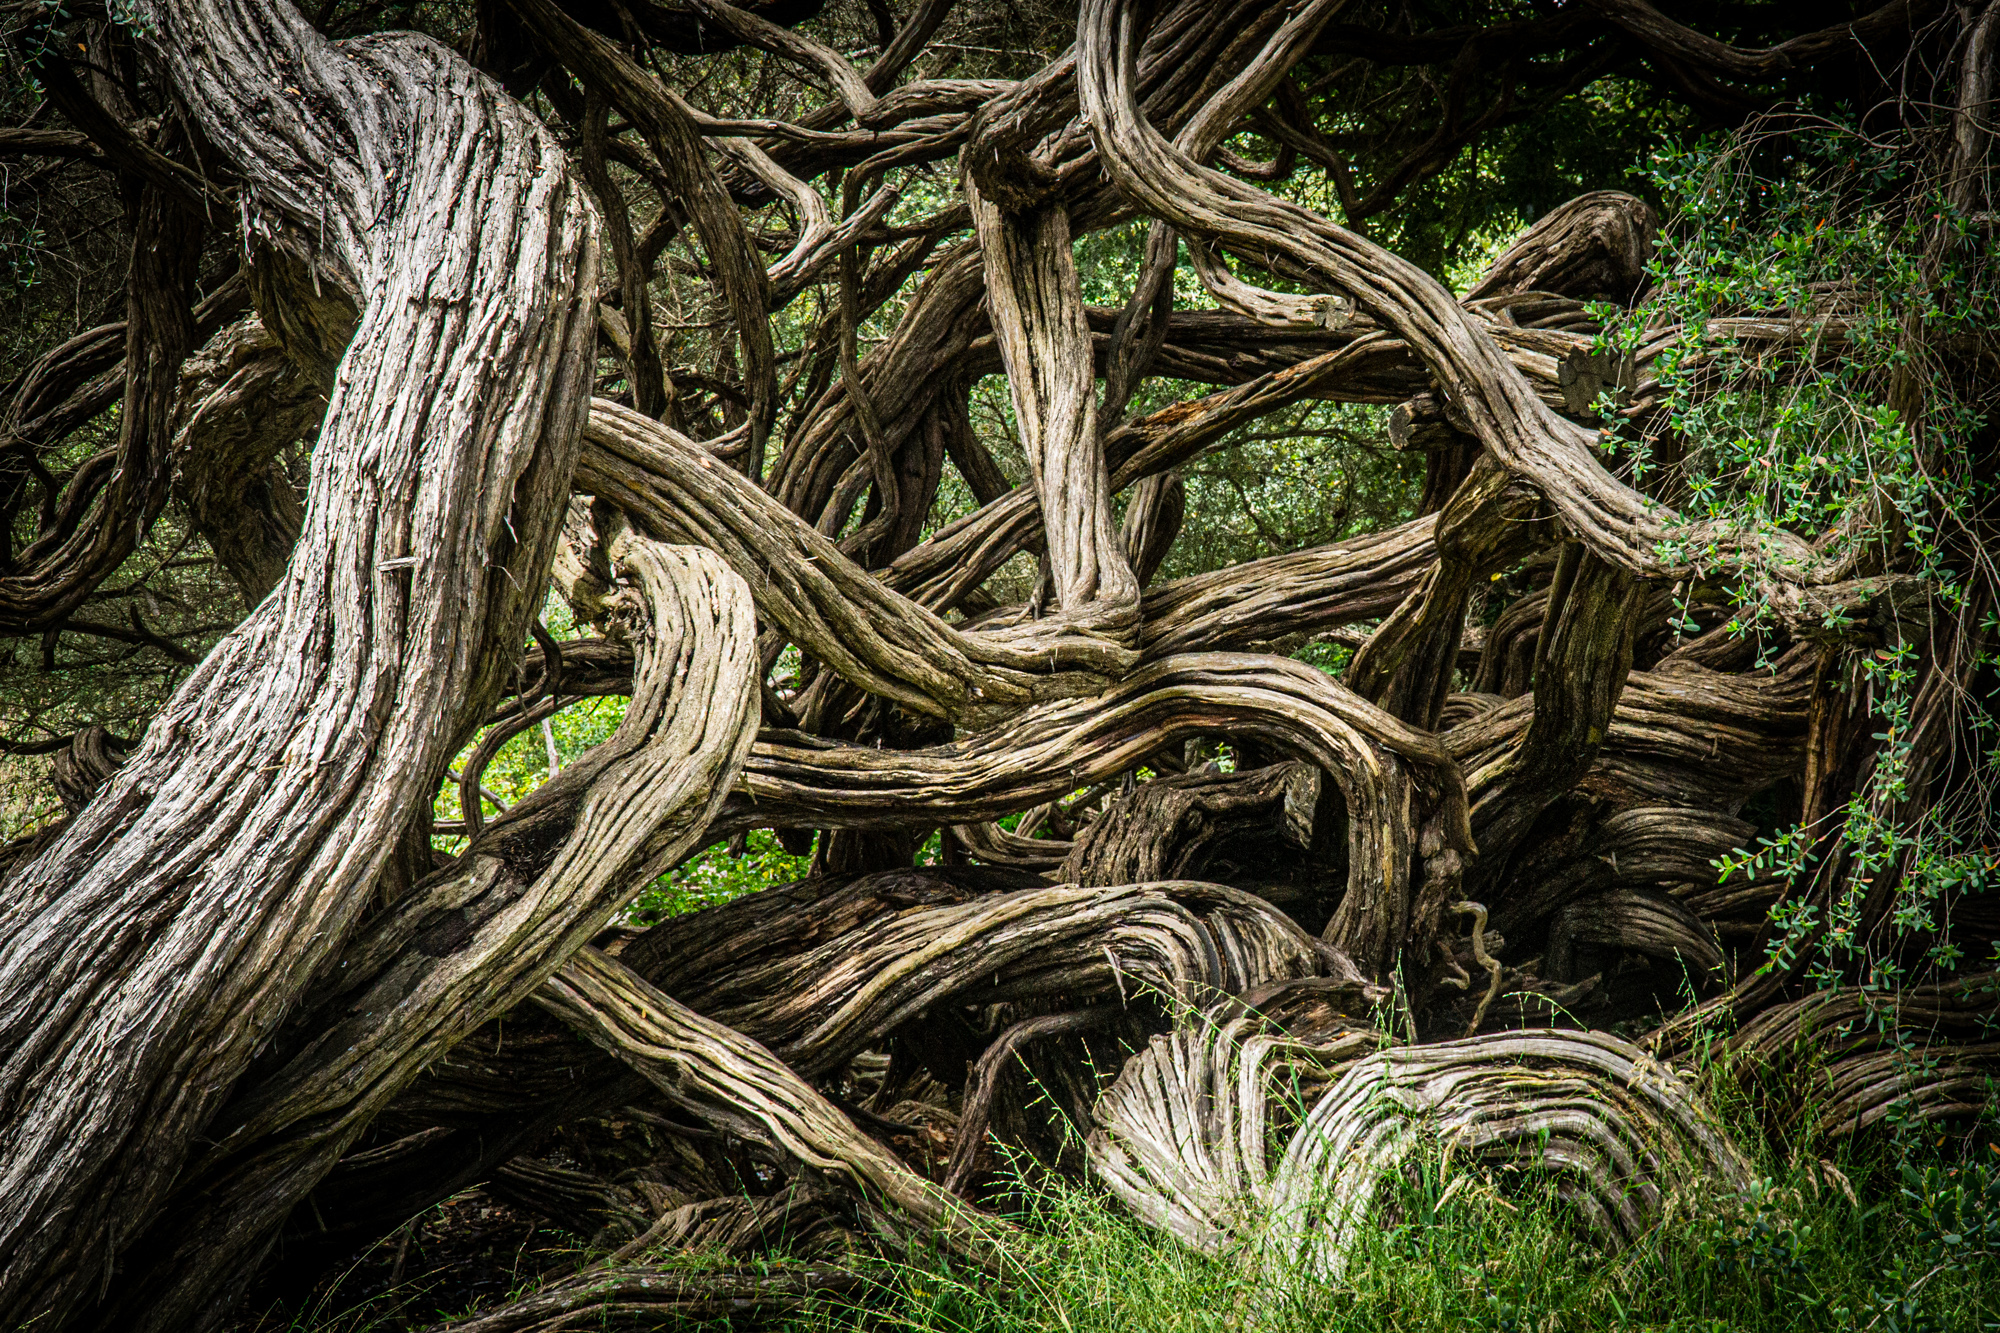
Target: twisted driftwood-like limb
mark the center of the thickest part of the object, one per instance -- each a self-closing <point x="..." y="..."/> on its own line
<point x="242" y="399"/>
<point x="576" y="1200"/>
<point x="53" y="574"/>
<point x="1594" y="246"/>
<point x="816" y="981"/>
<point x="1677" y="850"/>
<point x="1683" y="735"/>
<point x="476" y="938"/>
<point x="798" y="781"/>
<point x="1507" y="658"/>
<point x="795" y="1220"/>
<point x="1583" y="659"/>
<point x="1477" y="911"/>
<point x="1488" y="397"/>
<point x="1182" y="1142"/>
<point x="734" y="954"/>
<point x="963" y="555"/>
<point x="976" y="1109"/>
<point x="151" y="951"/>
<point x="992" y="845"/>
<point x="1929" y="1053"/>
<point x="1166" y="828"/>
<point x="671" y="135"/>
<point x="819" y="971"/>
<point x="92" y="756"/>
<point x="1615" y="1130"/>
<point x="820" y="598"/>
<point x="1367" y="365"/>
<point x="1645" y="850"/>
<point x="470" y="1113"/>
<point x="1281" y="598"/>
<point x="1036" y="306"/>
<point x="1641" y="920"/>
<point x="1183" y="1136"/>
<point x="1696" y="50"/>
<point x="1405" y="666"/>
<point x="727" y="1080"/>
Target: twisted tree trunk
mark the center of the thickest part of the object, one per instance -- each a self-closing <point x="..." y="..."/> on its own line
<point x="221" y="978"/>
<point x="156" y="948"/>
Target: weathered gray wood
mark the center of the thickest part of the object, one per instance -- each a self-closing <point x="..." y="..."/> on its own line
<point x="220" y="977"/>
<point x="1182" y="1135"/>
<point x="150" y="952"/>
<point x="476" y="938"/>
<point x="1036" y="306"/>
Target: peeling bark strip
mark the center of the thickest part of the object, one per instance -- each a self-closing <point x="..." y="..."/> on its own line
<point x="148" y="954"/>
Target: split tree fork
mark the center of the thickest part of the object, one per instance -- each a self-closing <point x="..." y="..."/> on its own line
<point x="247" y="1013"/>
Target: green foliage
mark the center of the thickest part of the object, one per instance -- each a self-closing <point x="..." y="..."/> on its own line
<point x="716" y="876"/>
<point x="1858" y="432"/>
<point x="1854" y="427"/>
<point x="1451" y="220"/>
<point x="22" y="246"/>
<point x="1469" y="1249"/>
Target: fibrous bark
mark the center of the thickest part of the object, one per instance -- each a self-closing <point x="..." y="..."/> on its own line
<point x="1182" y="1136"/>
<point x="189" y="905"/>
<point x="241" y="975"/>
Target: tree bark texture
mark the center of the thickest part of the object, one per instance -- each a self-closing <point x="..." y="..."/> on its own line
<point x="187" y="908"/>
<point x="1259" y="935"/>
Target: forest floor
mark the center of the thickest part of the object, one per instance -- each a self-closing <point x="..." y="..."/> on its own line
<point x="1904" y="1240"/>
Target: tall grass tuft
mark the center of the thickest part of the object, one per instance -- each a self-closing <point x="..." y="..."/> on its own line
<point x="1901" y="1240"/>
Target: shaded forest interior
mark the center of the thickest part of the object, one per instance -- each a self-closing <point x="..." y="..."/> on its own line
<point x="771" y="634"/>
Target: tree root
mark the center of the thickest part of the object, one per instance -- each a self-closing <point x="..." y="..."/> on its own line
<point x="1614" y="1131"/>
<point x="636" y="1297"/>
<point x="737" y="1086"/>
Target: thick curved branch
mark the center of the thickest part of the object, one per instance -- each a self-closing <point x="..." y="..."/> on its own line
<point x="732" y="1083"/>
<point x="1614" y="1130"/>
<point x="1487" y="397"/>
<point x="242" y="400"/>
<point x="54" y="575"/>
<point x="1685" y="46"/>
<point x="477" y="938"/>
<point x="1036" y="306"/>
<point x="823" y="601"/>
<point x="670" y="131"/>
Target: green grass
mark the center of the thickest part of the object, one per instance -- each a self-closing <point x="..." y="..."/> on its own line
<point x="1913" y="1248"/>
<point x="1796" y="1254"/>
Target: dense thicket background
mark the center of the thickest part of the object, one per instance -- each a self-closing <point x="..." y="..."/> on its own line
<point x="1810" y="356"/>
